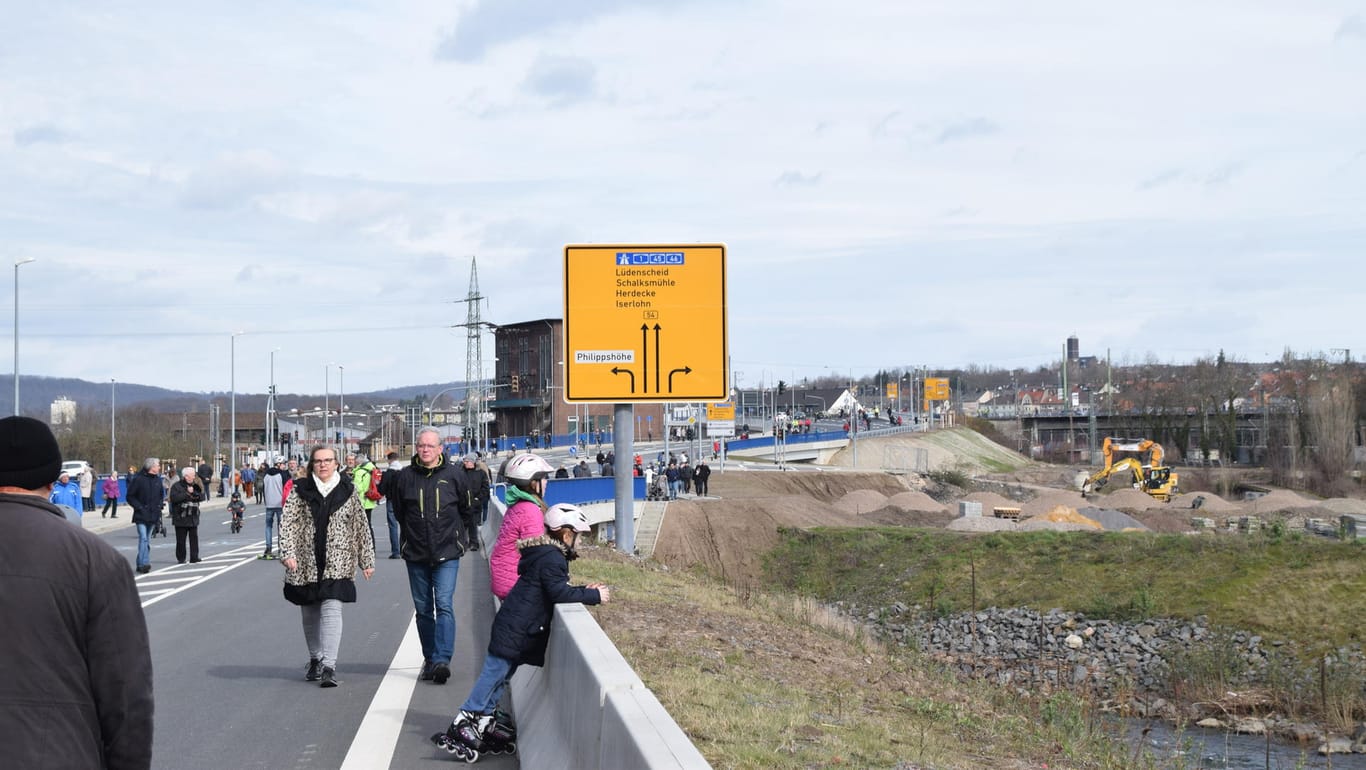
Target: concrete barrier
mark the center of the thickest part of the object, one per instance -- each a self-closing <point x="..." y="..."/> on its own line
<point x="586" y="708"/>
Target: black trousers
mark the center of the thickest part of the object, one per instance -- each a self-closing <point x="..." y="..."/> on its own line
<point x="181" y="535"/>
<point x="110" y="503"/>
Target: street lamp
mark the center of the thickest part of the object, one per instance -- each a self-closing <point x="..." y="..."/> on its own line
<point x="17" y="263"/>
<point x="271" y="422"/>
<point x="818" y="398"/>
<point x="327" y="395"/>
<point x="232" y="420"/>
<point x="113" y="469"/>
<point x="341" y="404"/>
<point x="432" y="402"/>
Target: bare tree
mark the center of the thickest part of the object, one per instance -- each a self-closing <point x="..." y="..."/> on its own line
<point x="1332" y="429"/>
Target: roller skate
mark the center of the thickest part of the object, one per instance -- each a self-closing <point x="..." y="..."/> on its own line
<point x="473" y="734"/>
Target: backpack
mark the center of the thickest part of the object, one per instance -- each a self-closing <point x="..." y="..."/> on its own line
<point x="373" y="492"/>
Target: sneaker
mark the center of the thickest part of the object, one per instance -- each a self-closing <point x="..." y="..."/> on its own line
<point x="145" y="568"/>
<point x="395" y="556"/>
<point x="314" y="670"/>
<point x="440" y="673"/>
<point x="329" y="677"/>
<point x="426" y="673"/>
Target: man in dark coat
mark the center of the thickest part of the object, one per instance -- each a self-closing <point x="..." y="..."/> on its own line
<point x="77" y="689"/>
<point x="431" y="505"/>
<point x="700" y="475"/>
<point x="145" y="494"/>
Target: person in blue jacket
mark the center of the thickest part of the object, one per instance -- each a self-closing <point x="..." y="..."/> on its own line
<point x="521" y="630"/>
<point x="66" y="492"/>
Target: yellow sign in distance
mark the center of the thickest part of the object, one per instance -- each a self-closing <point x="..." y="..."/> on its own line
<point x="937" y="388"/>
<point x="720" y="412"/>
<point x="645" y="323"/>
<point x="892" y="390"/>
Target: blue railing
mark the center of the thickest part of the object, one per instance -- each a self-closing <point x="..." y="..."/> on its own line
<point x="598" y="489"/>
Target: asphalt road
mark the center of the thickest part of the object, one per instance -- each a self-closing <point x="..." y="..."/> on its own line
<point x="228" y="656"/>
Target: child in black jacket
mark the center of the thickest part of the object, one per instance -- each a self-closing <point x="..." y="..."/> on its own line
<point x="521" y="630"/>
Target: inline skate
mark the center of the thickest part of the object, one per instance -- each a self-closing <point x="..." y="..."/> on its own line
<point x="473" y="734"/>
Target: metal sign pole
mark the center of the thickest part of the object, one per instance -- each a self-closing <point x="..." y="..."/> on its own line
<point x="623" y="442"/>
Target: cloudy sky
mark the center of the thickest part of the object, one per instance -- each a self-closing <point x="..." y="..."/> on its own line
<point x="898" y="183"/>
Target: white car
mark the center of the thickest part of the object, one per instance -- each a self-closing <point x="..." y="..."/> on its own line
<point x="74" y="467"/>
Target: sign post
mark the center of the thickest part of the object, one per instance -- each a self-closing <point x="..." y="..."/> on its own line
<point x="643" y="324"/>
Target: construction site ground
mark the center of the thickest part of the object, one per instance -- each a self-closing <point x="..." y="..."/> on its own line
<point x="728" y="532"/>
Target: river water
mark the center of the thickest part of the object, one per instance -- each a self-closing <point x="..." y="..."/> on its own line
<point x="1199" y="747"/>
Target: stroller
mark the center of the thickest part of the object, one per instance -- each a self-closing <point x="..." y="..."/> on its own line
<point x="158" y="528"/>
<point x="656" y="489"/>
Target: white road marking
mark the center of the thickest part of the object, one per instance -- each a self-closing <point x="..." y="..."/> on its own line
<point x="196" y="574"/>
<point x="375" y="740"/>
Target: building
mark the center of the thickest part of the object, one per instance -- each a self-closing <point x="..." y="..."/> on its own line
<point x="63" y="412"/>
<point x="528" y="388"/>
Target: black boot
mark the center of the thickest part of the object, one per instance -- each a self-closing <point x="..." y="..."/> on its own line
<point x="314" y="671"/>
<point x="329" y="677"/>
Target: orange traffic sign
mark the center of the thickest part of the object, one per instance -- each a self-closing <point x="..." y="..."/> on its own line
<point x="645" y="323"/>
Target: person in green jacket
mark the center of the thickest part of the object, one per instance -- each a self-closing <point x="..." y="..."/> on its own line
<point x="360" y="476"/>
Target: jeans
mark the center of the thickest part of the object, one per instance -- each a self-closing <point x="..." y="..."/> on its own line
<point x="271" y="515"/>
<point x="433" y="589"/>
<point x="144" y="543"/>
<point x="674" y="488"/>
<point x="488" y="688"/>
<point x="323" y="630"/>
<point x="393" y="530"/>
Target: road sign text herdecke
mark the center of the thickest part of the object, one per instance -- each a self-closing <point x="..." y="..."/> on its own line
<point x="645" y="323"/>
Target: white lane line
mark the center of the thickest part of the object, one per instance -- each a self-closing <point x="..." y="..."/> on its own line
<point x="145" y="583"/>
<point x="155" y="592"/>
<point x="200" y="579"/>
<point x="377" y="736"/>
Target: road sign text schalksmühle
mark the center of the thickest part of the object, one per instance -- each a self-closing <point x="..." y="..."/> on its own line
<point x="645" y="323"/>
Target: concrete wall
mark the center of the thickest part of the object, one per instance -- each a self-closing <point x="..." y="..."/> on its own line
<point x="586" y="708"/>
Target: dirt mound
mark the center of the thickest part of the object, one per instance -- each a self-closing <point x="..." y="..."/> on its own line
<point x="1279" y="500"/>
<point x="1112" y="520"/>
<point x="1160" y="520"/>
<point x="1344" y="505"/>
<point x="1056" y="526"/>
<point x="950" y="448"/>
<point x="826" y="486"/>
<point x="916" y="501"/>
<point x="1047" y="501"/>
<point x="729" y="537"/>
<point x="898" y="517"/>
<point x="1130" y="500"/>
<point x="1061" y="514"/>
<point x="861" y="501"/>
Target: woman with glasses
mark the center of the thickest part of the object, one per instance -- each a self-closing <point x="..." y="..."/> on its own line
<point x="324" y="539"/>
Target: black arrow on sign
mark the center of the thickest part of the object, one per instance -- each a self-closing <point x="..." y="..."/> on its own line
<point x="685" y="370"/>
<point x="629" y="373"/>
<point x="644" y="360"/>
<point x="658" y="356"/>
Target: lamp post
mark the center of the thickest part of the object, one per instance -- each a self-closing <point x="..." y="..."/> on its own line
<point x="17" y="263"/>
<point x="341" y="405"/>
<point x="232" y="419"/>
<point x="272" y="426"/>
<point x="327" y="395"/>
<point x="113" y="469"/>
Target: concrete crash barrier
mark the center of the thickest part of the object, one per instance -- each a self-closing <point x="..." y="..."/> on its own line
<point x="587" y="708"/>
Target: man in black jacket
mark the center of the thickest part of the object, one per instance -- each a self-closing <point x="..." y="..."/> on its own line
<point x="431" y="503"/>
<point x="145" y="494"/>
<point x="77" y="690"/>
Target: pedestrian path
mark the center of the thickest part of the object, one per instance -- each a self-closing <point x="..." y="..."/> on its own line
<point x="168" y="581"/>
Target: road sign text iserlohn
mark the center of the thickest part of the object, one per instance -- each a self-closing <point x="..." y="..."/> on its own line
<point x="645" y="323"/>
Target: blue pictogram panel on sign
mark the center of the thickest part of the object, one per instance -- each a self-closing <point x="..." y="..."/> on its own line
<point x="649" y="257"/>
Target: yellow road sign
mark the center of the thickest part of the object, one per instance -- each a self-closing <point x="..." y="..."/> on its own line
<point x="645" y="323"/>
<point x="937" y="388"/>
<point x="720" y="412"/>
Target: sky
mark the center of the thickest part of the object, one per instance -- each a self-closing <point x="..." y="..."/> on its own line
<point x="898" y="184"/>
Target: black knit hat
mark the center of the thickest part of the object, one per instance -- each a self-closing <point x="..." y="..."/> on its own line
<point x="29" y="455"/>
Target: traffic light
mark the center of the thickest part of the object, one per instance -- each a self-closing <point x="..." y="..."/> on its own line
<point x="782" y="387"/>
<point x="516" y="383"/>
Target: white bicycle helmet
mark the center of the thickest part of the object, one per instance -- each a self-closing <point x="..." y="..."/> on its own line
<point x="527" y="467"/>
<point x="562" y="515"/>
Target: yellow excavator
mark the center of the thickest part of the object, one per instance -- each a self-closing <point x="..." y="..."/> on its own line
<point x="1152" y="477"/>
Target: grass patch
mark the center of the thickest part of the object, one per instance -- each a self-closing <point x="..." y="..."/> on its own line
<point x="1306" y="589"/>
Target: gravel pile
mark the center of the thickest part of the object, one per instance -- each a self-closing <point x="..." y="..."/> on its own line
<point x="1112" y="520"/>
<point x="984" y="524"/>
<point x="1213" y="503"/>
